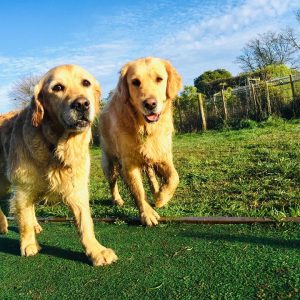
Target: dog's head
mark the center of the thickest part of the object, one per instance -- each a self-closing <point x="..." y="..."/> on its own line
<point x="69" y="96"/>
<point x="148" y="83"/>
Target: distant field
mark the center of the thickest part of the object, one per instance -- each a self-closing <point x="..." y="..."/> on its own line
<point x="247" y="172"/>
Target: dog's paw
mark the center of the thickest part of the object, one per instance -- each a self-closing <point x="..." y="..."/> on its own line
<point x="3" y="226"/>
<point x="161" y="199"/>
<point x="118" y="201"/>
<point x="105" y="256"/>
<point x="38" y="228"/>
<point x="149" y="217"/>
<point x="30" y="249"/>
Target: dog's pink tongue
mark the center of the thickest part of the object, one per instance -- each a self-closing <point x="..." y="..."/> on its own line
<point x="152" y="117"/>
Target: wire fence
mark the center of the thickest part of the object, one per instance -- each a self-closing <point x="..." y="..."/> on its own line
<point x="256" y="101"/>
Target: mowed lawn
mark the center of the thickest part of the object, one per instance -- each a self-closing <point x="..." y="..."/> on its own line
<point x="167" y="262"/>
<point x="249" y="172"/>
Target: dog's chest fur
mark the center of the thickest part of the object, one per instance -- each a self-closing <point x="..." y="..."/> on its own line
<point x="52" y="171"/>
<point x="154" y="147"/>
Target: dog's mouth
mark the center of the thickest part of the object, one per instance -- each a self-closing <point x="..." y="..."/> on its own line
<point x="79" y="125"/>
<point x="82" y="123"/>
<point x="152" y="117"/>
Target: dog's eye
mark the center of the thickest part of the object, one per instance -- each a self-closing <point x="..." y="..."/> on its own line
<point x="85" y="82"/>
<point x="136" y="82"/>
<point x="158" y="79"/>
<point x="58" y="87"/>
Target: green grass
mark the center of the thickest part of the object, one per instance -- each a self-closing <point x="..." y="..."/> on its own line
<point x="249" y="172"/>
<point x="166" y="262"/>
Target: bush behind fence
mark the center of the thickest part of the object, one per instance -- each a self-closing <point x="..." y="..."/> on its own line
<point x="256" y="101"/>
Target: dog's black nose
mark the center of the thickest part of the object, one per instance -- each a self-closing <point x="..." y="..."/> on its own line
<point x="81" y="104"/>
<point x="150" y="103"/>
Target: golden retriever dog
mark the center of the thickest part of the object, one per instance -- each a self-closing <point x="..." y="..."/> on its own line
<point x="44" y="154"/>
<point x="136" y="129"/>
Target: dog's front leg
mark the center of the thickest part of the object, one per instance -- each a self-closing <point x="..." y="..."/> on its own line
<point x="110" y="172"/>
<point x="98" y="254"/>
<point x="133" y="176"/>
<point x="3" y="223"/>
<point x="154" y="185"/>
<point x="37" y="227"/>
<point x="171" y="179"/>
<point x="23" y="207"/>
<point x="4" y="188"/>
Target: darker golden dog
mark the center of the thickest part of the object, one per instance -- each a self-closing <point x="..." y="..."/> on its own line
<point x="44" y="154"/>
<point x="136" y="129"/>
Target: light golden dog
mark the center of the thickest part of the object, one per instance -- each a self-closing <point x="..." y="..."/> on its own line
<point x="136" y="129"/>
<point x="44" y="154"/>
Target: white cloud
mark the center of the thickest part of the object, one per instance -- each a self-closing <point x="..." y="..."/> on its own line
<point x="102" y="60"/>
<point x="195" y="37"/>
<point x="214" y="28"/>
<point x="216" y="40"/>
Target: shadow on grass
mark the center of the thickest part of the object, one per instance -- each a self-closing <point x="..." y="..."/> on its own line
<point x="248" y="239"/>
<point x="12" y="246"/>
<point x="4" y="203"/>
<point x="14" y="229"/>
<point x="103" y="202"/>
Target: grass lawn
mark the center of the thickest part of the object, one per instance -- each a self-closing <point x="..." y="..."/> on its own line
<point x="249" y="172"/>
<point x="166" y="262"/>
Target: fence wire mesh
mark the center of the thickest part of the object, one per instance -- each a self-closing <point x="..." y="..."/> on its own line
<point x="256" y="101"/>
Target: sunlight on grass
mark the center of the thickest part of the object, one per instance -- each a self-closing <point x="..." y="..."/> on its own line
<point x="167" y="262"/>
<point x="249" y="172"/>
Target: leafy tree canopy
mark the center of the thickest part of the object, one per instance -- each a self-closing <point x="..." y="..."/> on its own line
<point x="209" y="76"/>
<point x="202" y="83"/>
<point x="188" y="96"/>
<point x="266" y="73"/>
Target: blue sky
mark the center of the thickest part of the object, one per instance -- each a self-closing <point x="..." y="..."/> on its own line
<point x="103" y="35"/>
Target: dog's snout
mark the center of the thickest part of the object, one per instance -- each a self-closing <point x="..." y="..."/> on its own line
<point x="81" y="104"/>
<point x="150" y="103"/>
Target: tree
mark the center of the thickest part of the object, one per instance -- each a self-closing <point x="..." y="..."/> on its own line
<point x="188" y="96"/>
<point x="22" y="90"/>
<point x="273" y="71"/>
<point x="267" y="49"/>
<point x="202" y="82"/>
<point x="209" y="76"/>
<point x="291" y="37"/>
<point x="186" y="112"/>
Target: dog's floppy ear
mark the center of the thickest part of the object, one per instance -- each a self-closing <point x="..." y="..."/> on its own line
<point x="38" y="109"/>
<point x="97" y="95"/>
<point x="122" y="87"/>
<point x="174" y="80"/>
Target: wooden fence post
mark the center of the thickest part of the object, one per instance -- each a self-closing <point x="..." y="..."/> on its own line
<point x="293" y="87"/>
<point x="258" y="109"/>
<point x="224" y="105"/>
<point x="293" y="95"/>
<point x="268" y="99"/>
<point x="253" y="96"/>
<point x="201" y="112"/>
<point x="179" y="112"/>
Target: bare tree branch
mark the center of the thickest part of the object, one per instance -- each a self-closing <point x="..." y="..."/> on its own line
<point x="22" y="91"/>
<point x="268" y="49"/>
<point x="291" y="37"/>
